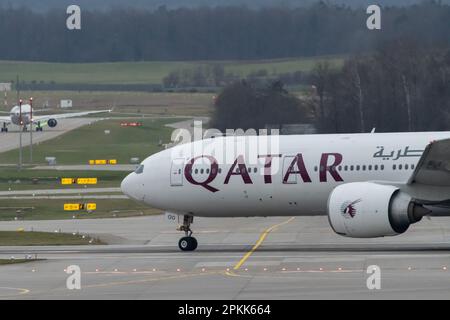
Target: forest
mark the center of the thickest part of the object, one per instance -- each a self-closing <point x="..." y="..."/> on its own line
<point x="213" y="33"/>
<point x="399" y="87"/>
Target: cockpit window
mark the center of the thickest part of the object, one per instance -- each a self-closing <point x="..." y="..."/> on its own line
<point x="140" y="169"/>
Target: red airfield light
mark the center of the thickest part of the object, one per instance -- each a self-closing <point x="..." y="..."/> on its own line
<point x="20" y="112"/>
<point x="31" y="109"/>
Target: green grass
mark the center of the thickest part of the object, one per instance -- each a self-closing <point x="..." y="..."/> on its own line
<point x="140" y="72"/>
<point x="132" y="103"/>
<point x="78" y="147"/>
<point x="90" y="142"/>
<point x="41" y="209"/>
<point x="15" y="261"/>
<point x="16" y="238"/>
<point x="12" y="179"/>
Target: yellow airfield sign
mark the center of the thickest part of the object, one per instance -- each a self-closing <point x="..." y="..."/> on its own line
<point x="84" y="181"/>
<point x="80" y="206"/>
<point x="102" y="162"/>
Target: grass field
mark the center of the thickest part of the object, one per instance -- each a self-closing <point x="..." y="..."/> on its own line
<point x="15" y="238"/>
<point x="91" y="142"/>
<point x="137" y="103"/>
<point x="140" y="72"/>
<point x="78" y="147"/>
<point x="11" y="209"/>
<point x="11" y="179"/>
<point x="15" y="261"/>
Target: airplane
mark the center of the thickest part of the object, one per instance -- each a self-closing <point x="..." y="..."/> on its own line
<point x="23" y="115"/>
<point x="369" y="185"/>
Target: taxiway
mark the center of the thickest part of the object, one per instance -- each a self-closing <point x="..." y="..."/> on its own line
<point x="242" y="258"/>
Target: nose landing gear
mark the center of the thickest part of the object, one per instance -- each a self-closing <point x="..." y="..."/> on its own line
<point x="188" y="242"/>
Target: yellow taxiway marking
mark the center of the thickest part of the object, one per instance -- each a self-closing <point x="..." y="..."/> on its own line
<point x="19" y="293"/>
<point x="147" y="280"/>
<point x="260" y="241"/>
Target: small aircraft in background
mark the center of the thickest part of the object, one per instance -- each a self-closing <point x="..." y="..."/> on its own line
<point x="23" y="115"/>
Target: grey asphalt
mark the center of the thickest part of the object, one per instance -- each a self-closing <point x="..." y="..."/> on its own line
<point x="300" y="259"/>
<point x="58" y="191"/>
<point x="118" y="167"/>
<point x="10" y="140"/>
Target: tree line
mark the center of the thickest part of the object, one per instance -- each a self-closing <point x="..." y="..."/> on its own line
<point x="212" y="33"/>
<point x="244" y="105"/>
<point x="401" y="86"/>
<point x="215" y="76"/>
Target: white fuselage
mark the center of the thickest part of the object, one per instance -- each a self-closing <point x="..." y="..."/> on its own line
<point x="298" y="181"/>
<point x="21" y="117"/>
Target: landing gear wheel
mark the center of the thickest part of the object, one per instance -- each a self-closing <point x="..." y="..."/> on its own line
<point x="188" y="244"/>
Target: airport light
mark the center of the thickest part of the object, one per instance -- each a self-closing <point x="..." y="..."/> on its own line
<point x="20" y="134"/>
<point x="31" y="130"/>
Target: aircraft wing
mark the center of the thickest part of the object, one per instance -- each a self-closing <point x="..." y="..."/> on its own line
<point x="434" y="166"/>
<point x="5" y="119"/>
<point x="66" y="115"/>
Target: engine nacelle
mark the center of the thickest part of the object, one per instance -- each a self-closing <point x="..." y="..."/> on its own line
<point x="370" y="210"/>
<point x="52" y="123"/>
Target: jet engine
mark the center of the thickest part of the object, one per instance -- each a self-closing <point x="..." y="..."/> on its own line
<point x="52" y="123"/>
<point x="370" y="210"/>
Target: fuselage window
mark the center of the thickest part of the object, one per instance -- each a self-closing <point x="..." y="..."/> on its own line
<point x="382" y="167"/>
<point x="370" y="167"/>
<point x="255" y="170"/>
<point x="207" y="171"/>
<point x="364" y="167"/>
<point x="315" y="168"/>
<point x="220" y="170"/>
<point x="394" y="167"/>
<point x="357" y="168"/>
<point x="196" y="171"/>
<point x="412" y="167"/>
<point x="375" y="167"/>
<point x="340" y="168"/>
<point x="140" y="169"/>
<point x="201" y="171"/>
<point x="406" y="167"/>
<point x="345" y="168"/>
<point x="351" y="168"/>
<point x="399" y="167"/>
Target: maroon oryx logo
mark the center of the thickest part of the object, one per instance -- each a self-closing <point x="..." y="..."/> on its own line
<point x="348" y="209"/>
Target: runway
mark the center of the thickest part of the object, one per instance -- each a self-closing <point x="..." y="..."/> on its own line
<point x="10" y="141"/>
<point x="296" y="258"/>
